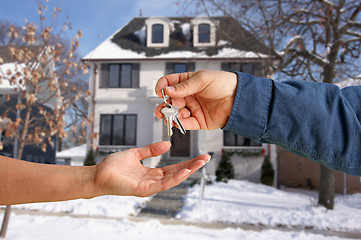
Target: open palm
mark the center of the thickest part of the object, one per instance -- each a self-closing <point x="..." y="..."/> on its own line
<point x="123" y="173"/>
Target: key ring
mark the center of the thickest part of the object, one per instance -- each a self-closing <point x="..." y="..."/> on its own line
<point x="165" y="98"/>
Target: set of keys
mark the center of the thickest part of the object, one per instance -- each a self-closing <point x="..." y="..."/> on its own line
<point x="170" y="113"/>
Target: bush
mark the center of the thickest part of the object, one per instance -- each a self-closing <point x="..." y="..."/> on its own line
<point x="90" y="159"/>
<point x="225" y="170"/>
<point x="267" y="173"/>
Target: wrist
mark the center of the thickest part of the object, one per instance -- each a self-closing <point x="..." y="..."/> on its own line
<point x="87" y="182"/>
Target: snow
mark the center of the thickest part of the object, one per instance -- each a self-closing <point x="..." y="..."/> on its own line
<point x="79" y="151"/>
<point x="349" y="83"/>
<point x="141" y="34"/>
<point x="186" y="29"/>
<point x="110" y="50"/>
<point x="244" y="202"/>
<point x="12" y="68"/>
<point x="222" y="43"/>
<point x="109" y="206"/>
<point x="236" y="202"/>
<point x="25" y="227"/>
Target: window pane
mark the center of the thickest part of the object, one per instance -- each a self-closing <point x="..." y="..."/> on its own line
<point x="247" y="68"/>
<point x="240" y="141"/>
<point x="157" y="33"/>
<point x="114" y="75"/>
<point x="228" y="138"/>
<point x="204" y="33"/>
<point x="105" y="130"/>
<point x="118" y="130"/>
<point x="126" y="76"/>
<point x="130" y="130"/>
<point x="235" y="67"/>
<point x="179" y="67"/>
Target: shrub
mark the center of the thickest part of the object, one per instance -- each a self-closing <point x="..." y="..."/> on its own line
<point x="90" y="159"/>
<point x="267" y="173"/>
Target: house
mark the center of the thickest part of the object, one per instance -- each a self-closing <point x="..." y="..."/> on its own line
<point x="124" y="70"/>
<point x="74" y="156"/>
<point x="10" y="96"/>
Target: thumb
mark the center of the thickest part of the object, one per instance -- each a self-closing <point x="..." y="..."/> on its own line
<point x="152" y="150"/>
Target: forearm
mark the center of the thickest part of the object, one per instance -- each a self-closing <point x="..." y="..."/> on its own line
<point x="25" y="182"/>
<point x="314" y="120"/>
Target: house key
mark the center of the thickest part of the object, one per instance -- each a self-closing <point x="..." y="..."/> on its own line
<point x="170" y="112"/>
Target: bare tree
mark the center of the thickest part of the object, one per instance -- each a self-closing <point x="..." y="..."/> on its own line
<point x="313" y="40"/>
<point x="41" y="79"/>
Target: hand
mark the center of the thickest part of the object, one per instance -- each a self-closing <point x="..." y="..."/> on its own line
<point x="204" y="98"/>
<point x="123" y="174"/>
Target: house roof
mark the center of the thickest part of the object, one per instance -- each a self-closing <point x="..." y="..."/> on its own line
<point x="78" y="151"/>
<point x="349" y="83"/>
<point x="232" y="41"/>
<point x="8" y="58"/>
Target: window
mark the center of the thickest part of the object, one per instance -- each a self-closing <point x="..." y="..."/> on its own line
<point x="125" y="75"/>
<point x="120" y="75"/>
<point x="118" y="129"/>
<point x="204" y="33"/>
<point x="171" y="67"/>
<point x="233" y="140"/>
<point x="179" y="67"/>
<point x="157" y="33"/>
<point x="238" y="67"/>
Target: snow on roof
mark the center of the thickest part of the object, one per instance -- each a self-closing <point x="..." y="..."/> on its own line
<point x="12" y="68"/>
<point x="79" y="151"/>
<point x="110" y="50"/>
<point x="141" y="34"/>
<point x="349" y="83"/>
<point x="129" y="42"/>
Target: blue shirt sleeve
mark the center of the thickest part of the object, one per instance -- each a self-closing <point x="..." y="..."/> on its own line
<point x="315" y="120"/>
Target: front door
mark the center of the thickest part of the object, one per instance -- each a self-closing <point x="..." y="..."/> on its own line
<point x="181" y="144"/>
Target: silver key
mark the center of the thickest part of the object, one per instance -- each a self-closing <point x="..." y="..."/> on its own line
<point x="169" y="113"/>
<point x="179" y="124"/>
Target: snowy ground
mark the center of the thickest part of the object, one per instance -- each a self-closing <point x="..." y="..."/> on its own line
<point x="236" y="202"/>
<point x="245" y="202"/>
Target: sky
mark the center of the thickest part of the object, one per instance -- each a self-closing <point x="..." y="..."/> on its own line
<point x="97" y="19"/>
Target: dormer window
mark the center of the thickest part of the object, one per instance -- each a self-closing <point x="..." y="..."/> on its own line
<point x="204" y="31"/>
<point x="158" y="31"/>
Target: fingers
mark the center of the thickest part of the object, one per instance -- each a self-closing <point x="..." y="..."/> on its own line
<point x="183" y="84"/>
<point x="184" y="170"/>
<point x="152" y="150"/>
<point x="193" y="164"/>
<point x="171" y="80"/>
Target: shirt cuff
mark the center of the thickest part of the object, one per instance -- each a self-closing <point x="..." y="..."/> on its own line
<point x="251" y="106"/>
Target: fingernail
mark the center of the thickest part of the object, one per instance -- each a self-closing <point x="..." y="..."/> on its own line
<point x="170" y="89"/>
<point x="188" y="170"/>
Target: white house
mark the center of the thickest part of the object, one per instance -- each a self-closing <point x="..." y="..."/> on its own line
<point x="125" y="67"/>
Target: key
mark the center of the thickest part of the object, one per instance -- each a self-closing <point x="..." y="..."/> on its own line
<point x="179" y="124"/>
<point x="169" y="113"/>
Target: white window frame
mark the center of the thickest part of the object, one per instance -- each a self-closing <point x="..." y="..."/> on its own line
<point x="167" y="29"/>
<point x="213" y="27"/>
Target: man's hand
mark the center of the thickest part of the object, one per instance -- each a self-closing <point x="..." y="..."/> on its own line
<point x="205" y="98"/>
<point x="123" y="174"/>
